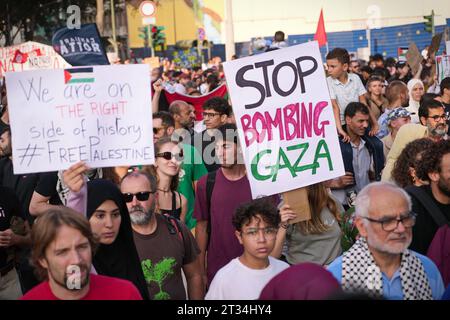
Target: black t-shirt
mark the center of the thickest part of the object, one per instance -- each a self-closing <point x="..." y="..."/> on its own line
<point x="25" y="184"/>
<point x="425" y="227"/>
<point x="447" y="111"/>
<point x="47" y="187"/>
<point x="9" y="207"/>
<point x="207" y="150"/>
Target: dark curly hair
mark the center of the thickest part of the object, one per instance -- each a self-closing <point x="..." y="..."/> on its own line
<point x="263" y="207"/>
<point x="217" y="104"/>
<point x="432" y="162"/>
<point x="410" y="158"/>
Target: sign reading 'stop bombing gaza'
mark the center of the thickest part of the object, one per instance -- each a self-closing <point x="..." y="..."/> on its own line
<point x="285" y="119"/>
<point x="98" y="114"/>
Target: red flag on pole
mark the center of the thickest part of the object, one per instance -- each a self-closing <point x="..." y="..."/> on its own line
<point x="321" y="35"/>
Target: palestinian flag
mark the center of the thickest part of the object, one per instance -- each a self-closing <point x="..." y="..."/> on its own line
<point x="78" y="75"/>
<point x="198" y="101"/>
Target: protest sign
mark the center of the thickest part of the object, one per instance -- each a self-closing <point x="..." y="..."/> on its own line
<point x="435" y="44"/>
<point x="80" y="47"/>
<point x="298" y="201"/>
<point x="442" y="67"/>
<point x="100" y="115"/>
<point x="29" y="56"/>
<point x="414" y="58"/>
<point x="285" y="119"/>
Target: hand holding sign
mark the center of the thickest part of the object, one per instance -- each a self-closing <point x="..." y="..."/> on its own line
<point x="286" y="215"/>
<point x="74" y="177"/>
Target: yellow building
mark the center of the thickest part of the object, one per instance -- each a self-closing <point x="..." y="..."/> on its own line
<point x="181" y="19"/>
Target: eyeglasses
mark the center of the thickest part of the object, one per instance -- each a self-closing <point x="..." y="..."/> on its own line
<point x="169" y="155"/>
<point x="253" y="233"/>
<point x="437" y="118"/>
<point x="157" y="130"/>
<point x="210" y="114"/>
<point x="140" y="196"/>
<point x="390" y="224"/>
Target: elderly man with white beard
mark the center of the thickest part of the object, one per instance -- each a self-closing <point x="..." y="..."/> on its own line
<point x="379" y="264"/>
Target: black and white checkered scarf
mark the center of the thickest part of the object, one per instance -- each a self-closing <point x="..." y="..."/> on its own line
<point x="361" y="274"/>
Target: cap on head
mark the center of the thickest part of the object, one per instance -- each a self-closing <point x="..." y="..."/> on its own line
<point x="398" y="113"/>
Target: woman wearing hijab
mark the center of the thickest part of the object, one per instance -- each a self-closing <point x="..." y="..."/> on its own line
<point x="416" y="91"/>
<point x="108" y="216"/>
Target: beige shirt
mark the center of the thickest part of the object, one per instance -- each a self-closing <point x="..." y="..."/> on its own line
<point x="407" y="133"/>
<point x="387" y="144"/>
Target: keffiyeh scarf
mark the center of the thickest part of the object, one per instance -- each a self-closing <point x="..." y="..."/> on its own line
<point x="361" y="274"/>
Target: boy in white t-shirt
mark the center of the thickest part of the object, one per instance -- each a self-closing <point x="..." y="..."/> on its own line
<point x="243" y="278"/>
<point x="344" y="88"/>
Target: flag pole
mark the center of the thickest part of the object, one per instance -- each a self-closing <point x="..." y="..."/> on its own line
<point x="327" y="47"/>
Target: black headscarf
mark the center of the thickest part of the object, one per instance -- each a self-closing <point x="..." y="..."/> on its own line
<point x="120" y="258"/>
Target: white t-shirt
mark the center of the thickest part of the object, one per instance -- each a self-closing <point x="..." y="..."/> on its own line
<point x="345" y="93"/>
<point x="236" y="281"/>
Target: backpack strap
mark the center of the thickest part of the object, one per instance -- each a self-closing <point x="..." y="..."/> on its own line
<point x="174" y="201"/>
<point x="424" y="198"/>
<point x="173" y="226"/>
<point x="210" y="181"/>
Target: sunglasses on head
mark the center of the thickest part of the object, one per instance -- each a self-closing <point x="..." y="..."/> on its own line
<point x="169" y="155"/>
<point x="141" y="196"/>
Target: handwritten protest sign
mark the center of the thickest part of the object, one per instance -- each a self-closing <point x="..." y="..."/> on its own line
<point x="100" y="115"/>
<point x="414" y="58"/>
<point x="435" y="44"/>
<point x="442" y="67"/>
<point x="285" y="119"/>
<point x="33" y="55"/>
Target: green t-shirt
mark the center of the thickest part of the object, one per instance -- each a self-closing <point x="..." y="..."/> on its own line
<point x="191" y="170"/>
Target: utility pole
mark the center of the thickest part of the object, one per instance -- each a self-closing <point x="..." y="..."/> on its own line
<point x="229" y="32"/>
<point x="113" y="29"/>
<point x="8" y="26"/>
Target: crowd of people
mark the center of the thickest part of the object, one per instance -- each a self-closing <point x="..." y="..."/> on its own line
<point x="187" y="227"/>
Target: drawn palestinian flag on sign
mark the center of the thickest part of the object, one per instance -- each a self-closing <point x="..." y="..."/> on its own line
<point x="78" y="75"/>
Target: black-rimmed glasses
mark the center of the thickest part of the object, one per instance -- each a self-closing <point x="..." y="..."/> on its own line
<point x="437" y="117"/>
<point x="390" y="224"/>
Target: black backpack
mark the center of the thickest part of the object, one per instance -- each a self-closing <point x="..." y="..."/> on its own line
<point x="173" y="224"/>
<point x="210" y="182"/>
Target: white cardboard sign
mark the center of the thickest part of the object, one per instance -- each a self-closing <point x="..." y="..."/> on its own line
<point x="100" y="115"/>
<point x="285" y="119"/>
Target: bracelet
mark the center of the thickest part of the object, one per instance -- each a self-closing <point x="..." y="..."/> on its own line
<point x="284" y="225"/>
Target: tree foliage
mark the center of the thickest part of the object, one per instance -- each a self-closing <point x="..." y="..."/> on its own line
<point x="38" y="19"/>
